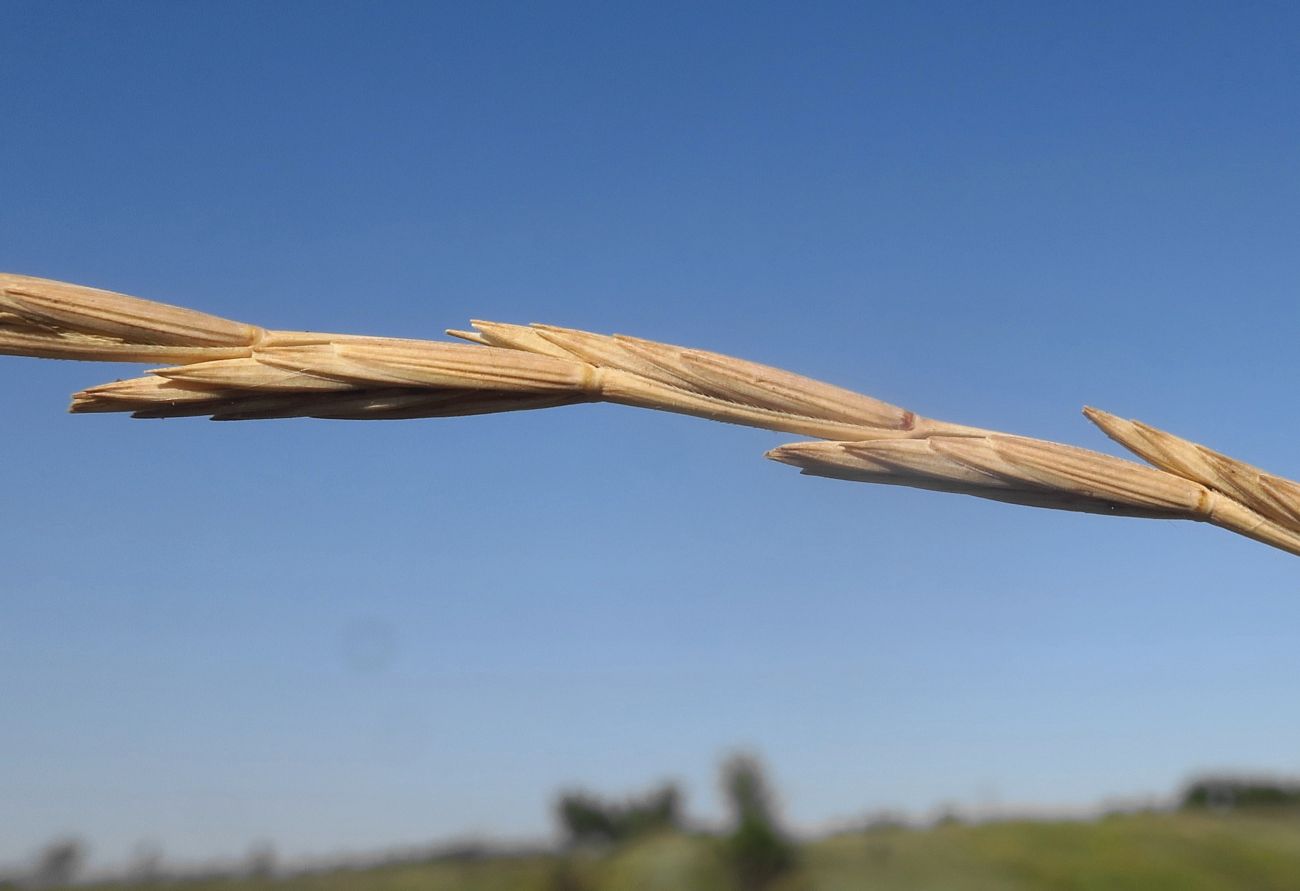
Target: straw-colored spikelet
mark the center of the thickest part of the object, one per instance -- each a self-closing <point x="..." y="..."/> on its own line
<point x="346" y="378"/>
<point x="39" y="317"/>
<point x="231" y="371"/>
<point x="648" y="374"/>
<point x="1274" y="497"/>
<point x="1033" y="472"/>
<point x="702" y="374"/>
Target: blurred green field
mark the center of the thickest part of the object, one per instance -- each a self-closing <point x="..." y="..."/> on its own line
<point x="1142" y="852"/>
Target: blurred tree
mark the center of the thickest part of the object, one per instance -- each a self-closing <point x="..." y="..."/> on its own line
<point x="587" y="819"/>
<point x="261" y="861"/>
<point x="655" y="812"/>
<point x="1227" y="793"/>
<point x="757" y="851"/>
<point x="59" y="863"/>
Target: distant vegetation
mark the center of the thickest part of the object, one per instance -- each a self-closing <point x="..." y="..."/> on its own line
<point x="586" y="819"/>
<point x="756" y="850"/>
<point x="753" y="853"/>
<point x="1230" y="793"/>
<point x="1155" y="851"/>
<point x="1227" y="834"/>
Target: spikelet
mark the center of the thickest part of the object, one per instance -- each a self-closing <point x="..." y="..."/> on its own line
<point x="763" y="386"/>
<point x="1034" y="472"/>
<point x="1005" y="468"/>
<point x="656" y="375"/>
<point x="54" y="320"/>
<point x="1270" y="495"/>
<point x="331" y="373"/>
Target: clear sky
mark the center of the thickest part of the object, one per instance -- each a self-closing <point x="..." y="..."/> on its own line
<point x="344" y="636"/>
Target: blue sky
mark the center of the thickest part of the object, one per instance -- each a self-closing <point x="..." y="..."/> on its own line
<point x="344" y="636"/>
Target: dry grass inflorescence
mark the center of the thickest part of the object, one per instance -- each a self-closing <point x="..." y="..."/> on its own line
<point x="229" y="371"/>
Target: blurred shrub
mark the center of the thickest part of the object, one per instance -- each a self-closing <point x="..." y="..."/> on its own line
<point x="587" y="819"/>
<point x="59" y="863"/>
<point x="1229" y="793"/>
<point x="260" y="863"/>
<point x="756" y="850"/>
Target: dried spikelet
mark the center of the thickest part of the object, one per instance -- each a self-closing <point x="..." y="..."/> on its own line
<point x="625" y="388"/>
<point x="728" y="379"/>
<point x="1034" y="472"/>
<point x="1003" y="468"/>
<point x="763" y="386"/>
<point x="622" y="372"/>
<point x="1273" y="496"/>
<point x="715" y="386"/>
<point x="1095" y="475"/>
<point x="39" y="317"/>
